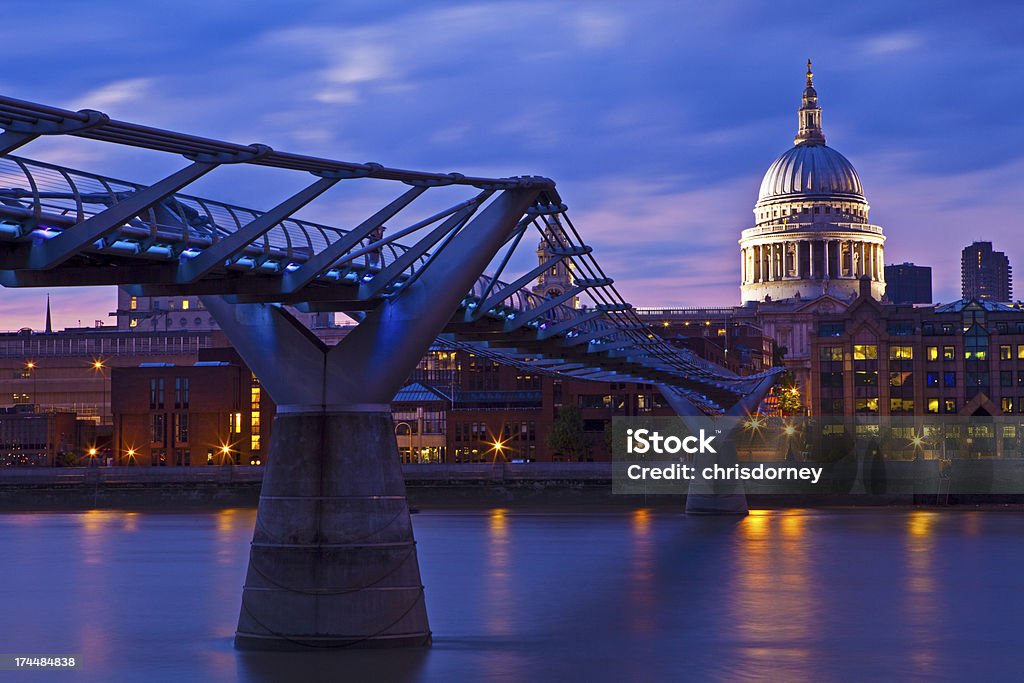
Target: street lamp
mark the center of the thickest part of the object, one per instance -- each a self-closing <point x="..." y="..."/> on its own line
<point x="31" y="367"/>
<point x="99" y="366"/>
<point x="498" y="446"/>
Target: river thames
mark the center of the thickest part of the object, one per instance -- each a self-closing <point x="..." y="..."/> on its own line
<point x="634" y="595"/>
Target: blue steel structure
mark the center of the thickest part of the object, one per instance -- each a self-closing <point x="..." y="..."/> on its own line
<point x="333" y="560"/>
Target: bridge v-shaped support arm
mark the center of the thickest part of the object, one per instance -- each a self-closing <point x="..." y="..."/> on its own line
<point x="367" y="368"/>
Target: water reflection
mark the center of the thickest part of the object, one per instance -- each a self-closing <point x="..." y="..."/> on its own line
<point x="641" y="587"/>
<point x="773" y="607"/>
<point x="620" y="595"/>
<point x="921" y="590"/>
<point x="499" y="594"/>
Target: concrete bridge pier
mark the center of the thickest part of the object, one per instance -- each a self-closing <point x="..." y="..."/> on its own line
<point x="333" y="560"/>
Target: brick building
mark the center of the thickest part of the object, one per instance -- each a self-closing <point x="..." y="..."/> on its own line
<point x="211" y="412"/>
<point x="965" y="358"/>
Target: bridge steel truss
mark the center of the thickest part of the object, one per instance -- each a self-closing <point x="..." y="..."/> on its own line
<point x="333" y="560"/>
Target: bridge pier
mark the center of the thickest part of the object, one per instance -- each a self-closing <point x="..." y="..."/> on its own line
<point x="333" y="560"/>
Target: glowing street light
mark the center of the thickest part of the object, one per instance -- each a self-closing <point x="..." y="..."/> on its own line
<point x="498" y="447"/>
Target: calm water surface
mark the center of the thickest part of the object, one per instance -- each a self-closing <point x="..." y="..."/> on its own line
<point x="520" y="596"/>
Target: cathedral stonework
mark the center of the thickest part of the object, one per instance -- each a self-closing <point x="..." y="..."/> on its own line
<point x="811" y="234"/>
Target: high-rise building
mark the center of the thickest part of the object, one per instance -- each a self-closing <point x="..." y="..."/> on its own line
<point x="907" y="283"/>
<point x="811" y="235"/>
<point x="985" y="274"/>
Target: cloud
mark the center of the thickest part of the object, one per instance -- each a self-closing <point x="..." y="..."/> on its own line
<point x="116" y="95"/>
<point x="596" y="30"/>
<point x="889" y="44"/>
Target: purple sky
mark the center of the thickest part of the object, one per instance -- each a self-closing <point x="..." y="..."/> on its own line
<point x="657" y="119"/>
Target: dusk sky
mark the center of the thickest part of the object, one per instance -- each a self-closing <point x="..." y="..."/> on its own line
<point x="657" y="119"/>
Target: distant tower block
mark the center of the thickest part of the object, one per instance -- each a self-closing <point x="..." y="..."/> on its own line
<point x="985" y="274"/>
<point x="811" y="234"/>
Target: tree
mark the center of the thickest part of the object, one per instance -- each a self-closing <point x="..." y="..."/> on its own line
<point x="567" y="436"/>
<point x="790" y="401"/>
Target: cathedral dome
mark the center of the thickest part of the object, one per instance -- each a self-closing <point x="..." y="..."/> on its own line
<point x="811" y="170"/>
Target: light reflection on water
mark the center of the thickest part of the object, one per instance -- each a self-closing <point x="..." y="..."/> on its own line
<point x="533" y="596"/>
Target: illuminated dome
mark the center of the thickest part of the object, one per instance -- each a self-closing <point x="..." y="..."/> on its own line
<point x="810" y="169"/>
<point x="811" y="236"/>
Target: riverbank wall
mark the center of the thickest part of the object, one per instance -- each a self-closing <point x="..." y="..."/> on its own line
<point x="928" y="482"/>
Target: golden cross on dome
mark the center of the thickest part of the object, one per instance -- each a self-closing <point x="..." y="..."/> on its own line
<point x="810" y="74"/>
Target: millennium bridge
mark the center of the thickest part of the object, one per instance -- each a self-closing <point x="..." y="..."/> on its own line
<point x="333" y="560"/>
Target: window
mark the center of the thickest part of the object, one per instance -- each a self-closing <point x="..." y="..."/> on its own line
<point x="830" y="353"/>
<point x="932" y="406"/>
<point x="184" y="305"/>
<point x="1020" y="351"/>
<point x="830" y="330"/>
<point x="134" y="304"/>
<point x="977" y="379"/>
<point x="947" y="328"/>
<point x="832" y="379"/>
<point x="156" y="393"/>
<point x="901" y="405"/>
<point x="865" y="378"/>
<point x="901" y="328"/>
<point x="158" y="431"/>
<point x="927" y="328"/>
<point x="867" y="405"/>
<point x="949" y="406"/>
<point x="133" y="322"/>
<point x="933" y="379"/>
<point x="933" y="353"/>
<point x="865" y="352"/>
<point x="181" y="428"/>
<point x="1004" y="352"/>
<point x="900" y="379"/>
<point x="901" y="353"/>
<point x="948" y="353"/>
<point x="949" y="379"/>
<point x="976" y="343"/>
<point x="1005" y="378"/>
<point x="1006" y="405"/>
<point x="181" y="392"/>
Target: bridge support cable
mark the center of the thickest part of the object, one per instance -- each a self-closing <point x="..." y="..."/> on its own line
<point x="333" y="561"/>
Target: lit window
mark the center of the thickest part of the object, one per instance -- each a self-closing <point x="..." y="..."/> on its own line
<point x="901" y="353"/>
<point x="184" y="305"/>
<point x="865" y="352"/>
<point x="933" y="353"/>
<point x="134" y="305"/>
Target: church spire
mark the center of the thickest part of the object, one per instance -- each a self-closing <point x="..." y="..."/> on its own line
<point x="49" y="326"/>
<point x="809" y="115"/>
